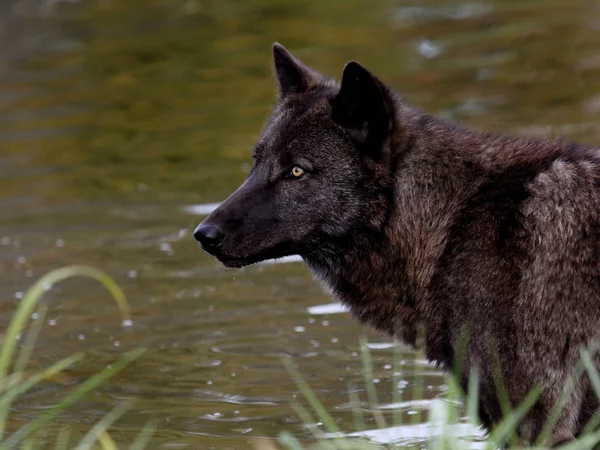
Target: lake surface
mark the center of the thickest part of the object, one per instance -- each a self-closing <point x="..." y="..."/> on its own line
<point x="123" y="122"/>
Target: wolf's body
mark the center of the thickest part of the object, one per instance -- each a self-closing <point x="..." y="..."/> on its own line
<point x="411" y="220"/>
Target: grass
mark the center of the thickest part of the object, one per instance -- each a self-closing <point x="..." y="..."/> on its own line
<point x="445" y="413"/>
<point x="15" y="380"/>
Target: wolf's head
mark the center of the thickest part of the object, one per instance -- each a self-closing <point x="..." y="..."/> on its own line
<point x="321" y="175"/>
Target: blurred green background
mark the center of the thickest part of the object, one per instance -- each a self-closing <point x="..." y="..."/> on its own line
<point x="119" y="118"/>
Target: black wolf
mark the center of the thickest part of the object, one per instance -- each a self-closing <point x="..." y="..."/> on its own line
<point x="413" y="221"/>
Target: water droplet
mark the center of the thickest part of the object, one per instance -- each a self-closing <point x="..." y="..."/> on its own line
<point x="209" y="382"/>
<point x="335" y="340"/>
<point x="59" y="243"/>
<point x="18" y="336"/>
<point x="127" y="323"/>
<point x="81" y="337"/>
<point x="21" y="259"/>
<point x="299" y="329"/>
<point x="311" y="320"/>
<point x="35" y="316"/>
<point x="428" y="49"/>
<point x="52" y="322"/>
<point x="233" y="374"/>
<point x="376" y="380"/>
<point x="116" y="343"/>
<point x="412" y="412"/>
<point x="47" y="287"/>
<point x="387" y="366"/>
<point x="19" y="295"/>
<point x="236" y="411"/>
<point x="325" y="323"/>
<point x="132" y="274"/>
<point x="166" y="247"/>
<point x="182" y="233"/>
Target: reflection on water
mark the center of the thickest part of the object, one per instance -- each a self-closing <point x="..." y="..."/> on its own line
<point x="203" y="209"/>
<point x="408" y="434"/>
<point x="115" y="117"/>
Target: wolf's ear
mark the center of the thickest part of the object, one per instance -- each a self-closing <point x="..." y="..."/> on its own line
<point x="363" y="105"/>
<point x="293" y="76"/>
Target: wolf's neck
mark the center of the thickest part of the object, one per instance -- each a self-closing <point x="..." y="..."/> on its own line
<point x="384" y="277"/>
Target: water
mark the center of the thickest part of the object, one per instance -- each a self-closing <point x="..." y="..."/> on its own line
<point x="121" y="123"/>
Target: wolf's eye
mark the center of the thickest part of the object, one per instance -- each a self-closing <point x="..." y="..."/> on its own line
<point x="297" y="171"/>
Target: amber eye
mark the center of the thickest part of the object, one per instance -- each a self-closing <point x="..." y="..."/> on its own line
<point x="297" y="171"/>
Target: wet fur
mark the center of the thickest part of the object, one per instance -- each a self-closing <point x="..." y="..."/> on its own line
<point x="420" y="222"/>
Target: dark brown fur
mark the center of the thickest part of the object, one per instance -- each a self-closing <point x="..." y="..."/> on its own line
<point x="411" y="220"/>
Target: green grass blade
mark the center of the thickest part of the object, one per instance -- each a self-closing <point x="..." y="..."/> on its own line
<point x="89" y="385"/>
<point x="585" y="442"/>
<point x="142" y="439"/>
<point x="289" y="441"/>
<point x="97" y="430"/>
<point x="371" y="392"/>
<point x="587" y="362"/>
<point x="359" y="418"/>
<point x="62" y="441"/>
<point x="30" y="340"/>
<point x="557" y="409"/>
<point x="462" y="349"/>
<point x="418" y="374"/>
<point x="106" y="442"/>
<point x="508" y="426"/>
<point x="473" y="397"/>
<point x="35" y="293"/>
<point x="396" y="380"/>
<point x="308" y="420"/>
<point x="438" y="414"/>
<point x="8" y="397"/>
<point x="502" y="392"/>
<point x="586" y="359"/>
<point x="310" y="396"/>
<point x="306" y="417"/>
<point x="593" y="423"/>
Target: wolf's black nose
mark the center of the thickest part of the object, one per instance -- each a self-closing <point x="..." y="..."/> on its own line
<point x="209" y="235"/>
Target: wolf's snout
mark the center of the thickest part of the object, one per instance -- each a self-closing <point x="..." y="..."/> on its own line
<point x="209" y="235"/>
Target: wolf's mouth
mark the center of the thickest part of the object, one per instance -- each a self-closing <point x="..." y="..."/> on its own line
<point x="237" y="261"/>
